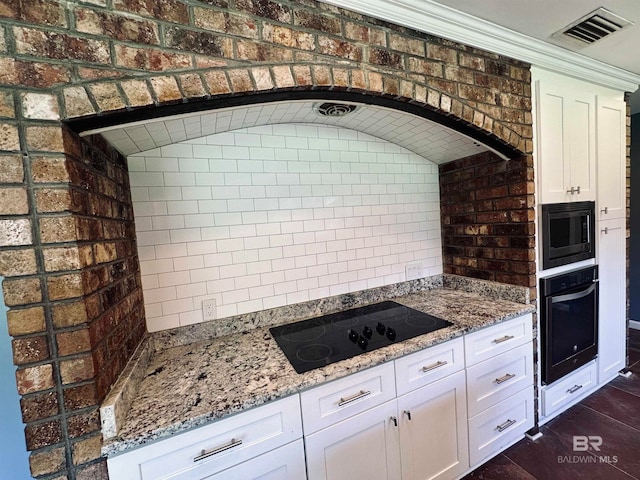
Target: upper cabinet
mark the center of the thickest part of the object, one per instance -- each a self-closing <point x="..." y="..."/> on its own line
<point x="611" y="137"/>
<point x="566" y="139"/>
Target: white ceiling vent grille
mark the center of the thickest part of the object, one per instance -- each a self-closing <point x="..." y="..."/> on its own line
<point x="591" y="28"/>
<point x="330" y="109"/>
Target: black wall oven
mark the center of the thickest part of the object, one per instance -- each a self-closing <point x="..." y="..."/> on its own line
<point x="569" y="321"/>
<point x="568" y="233"/>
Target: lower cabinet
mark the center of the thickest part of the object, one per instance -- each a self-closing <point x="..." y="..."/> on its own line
<point x="420" y="435"/>
<point x="284" y="463"/>
<point x="499" y="426"/>
<point x="426" y="416"/>
<point x="612" y="322"/>
<point x="433" y="430"/>
<point x="364" y="446"/>
<point x="213" y="450"/>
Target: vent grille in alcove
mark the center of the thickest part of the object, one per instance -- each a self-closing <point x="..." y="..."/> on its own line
<point x="330" y="109"/>
<point x="593" y="27"/>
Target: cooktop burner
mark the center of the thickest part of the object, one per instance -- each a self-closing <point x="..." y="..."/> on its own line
<point x="320" y="341"/>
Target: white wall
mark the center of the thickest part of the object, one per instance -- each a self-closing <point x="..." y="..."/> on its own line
<point x="279" y="214"/>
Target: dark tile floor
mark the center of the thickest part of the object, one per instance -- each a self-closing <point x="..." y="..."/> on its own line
<point x="613" y="413"/>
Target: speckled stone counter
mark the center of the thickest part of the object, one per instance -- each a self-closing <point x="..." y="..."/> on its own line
<point x="186" y="386"/>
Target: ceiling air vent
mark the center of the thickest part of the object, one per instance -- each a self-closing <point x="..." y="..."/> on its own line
<point x="591" y="28"/>
<point x="330" y="109"/>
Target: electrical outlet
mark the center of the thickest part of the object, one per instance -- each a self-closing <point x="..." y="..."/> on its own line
<point x="413" y="270"/>
<point x="209" y="309"/>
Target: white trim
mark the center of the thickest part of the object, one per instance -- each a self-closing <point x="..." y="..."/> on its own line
<point x="442" y="21"/>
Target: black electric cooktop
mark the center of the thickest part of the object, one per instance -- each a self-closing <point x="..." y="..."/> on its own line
<point x="320" y="341"/>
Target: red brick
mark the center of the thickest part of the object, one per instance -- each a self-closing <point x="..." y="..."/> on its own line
<point x="165" y="10"/>
<point x="43" y="434"/>
<point x="39" y="406"/>
<point x="30" y="350"/>
<point x="148" y="59"/>
<point x="61" y="46"/>
<point x="116" y="26"/>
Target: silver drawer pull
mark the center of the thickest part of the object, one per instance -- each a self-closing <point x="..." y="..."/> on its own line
<point x="505" y="425"/>
<point x="433" y="366"/>
<point x="204" y="454"/>
<point x="574" y="389"/>
<point x="353" y="398"/>
<point x="503" y="379"/>
<point x="503" y="339"/>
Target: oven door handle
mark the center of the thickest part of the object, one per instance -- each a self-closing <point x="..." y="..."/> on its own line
<point x="574" y="296"/>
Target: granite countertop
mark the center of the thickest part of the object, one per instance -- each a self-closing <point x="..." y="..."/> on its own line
<point x="186" y="386"/>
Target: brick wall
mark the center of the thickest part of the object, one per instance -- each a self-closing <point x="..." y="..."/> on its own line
<point x="67" y="247"/>
<point x="488" y="229"/>
<point x="75" y="300"/>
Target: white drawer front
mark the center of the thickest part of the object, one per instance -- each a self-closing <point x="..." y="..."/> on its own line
<point x="225" y="443"/>
<point x="284" y="463"/>
<point x="343" y="398"/>
<point x="499" y="426"/>
<point x="429" y="365"/>
<point x="486" y="343"/>
<point x="568" y="389"/>
<point x="494" y="380"/>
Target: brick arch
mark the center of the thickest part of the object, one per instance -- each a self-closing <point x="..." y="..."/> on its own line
<point x="103" y="104"/>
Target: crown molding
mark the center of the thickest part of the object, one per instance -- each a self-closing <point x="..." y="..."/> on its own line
<point x="442" y="21"/>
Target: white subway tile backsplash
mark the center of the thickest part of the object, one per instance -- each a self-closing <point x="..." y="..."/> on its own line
<point x="278" y="214"/>
<point x="174" y="278"/>
<point x="185" y="235"/>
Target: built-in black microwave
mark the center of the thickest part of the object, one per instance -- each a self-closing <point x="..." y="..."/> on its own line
<point x="568" y="233"/>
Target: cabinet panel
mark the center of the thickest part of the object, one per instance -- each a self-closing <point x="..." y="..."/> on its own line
<point x="429" y="365"/>
<point x="234" y="440"/>
<point x="491" y="341"/>
<point x="500" y="425"/>
<point x="554" y="174"/>
<point x="612" y="322"/>
<point x="341" y="399"/>
<point x="611" y="159"/>
<point x="499" y="377"/>
<point x="284" y="463"/>
<point x="582" y="131"/>
<point x="568" y="389"/>
<point x="364" y="446"/>
<point x="566" y="129"/>
<point x="433" y="430"/>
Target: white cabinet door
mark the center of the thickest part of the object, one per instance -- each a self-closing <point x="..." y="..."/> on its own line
<point x="566" y="143"/>
<point x="554" y="175"/>
<point x="363" y="446"/>
<point x="612" y="118"/>
<point x="581" y="126"/>
<point x="284" y="463"/>
<point x="433" y="430"/>
<point x="612" y="300"/>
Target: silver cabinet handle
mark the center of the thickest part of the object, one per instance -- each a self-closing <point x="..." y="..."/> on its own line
<point x="605" y="210"/>
<point x="353" y="398"/>
<point x="574" y="190"/>
<point x="408" y="414"/>
<point x="605" y="230"/>
<point x="394" y="420"/>
<point x="578" y="190"/>
<point x="433" y="366"/>
<point x="503" y="339"/>
<point x="574" y="389"/>
<point x="206" y="454"/>
<point x="505" y="425"/>
<point x="503" y="379"/>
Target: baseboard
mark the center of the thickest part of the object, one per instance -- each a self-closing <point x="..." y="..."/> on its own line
<point x="634" y="324"/>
